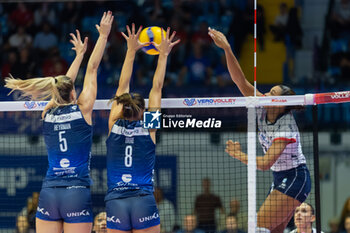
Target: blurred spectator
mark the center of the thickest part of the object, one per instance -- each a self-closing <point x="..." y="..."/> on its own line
<point x="24" y="67"/>
<point x="22" y="225"/>
<point x="21" y="16"/>
<point x="234" y="207"/>
<point x="294" y="31"/>
<point x="333" y="225"/>
<point x="29" y="212"/>
<point x="201" y="36"/>
<point x="304" y="216"/>
<point x="45" y="13"/>
<point x="232" y="225"/>
<point x="45" y="39"/>
<point x="346" y="225"/>
<point x="166" y="211"/>
<point x="69" y="18"/>
<point x="20" y="39"/>
<point x="222" y="74"/>
<point x="205" y="206"/>
<point x="54" y="65"/>
<point x="100" y="223"/>
<point x="345" y="212"/>
<point x="340" y="18"/>
<point x="243" y="24"/>
<point x="278" y="29"/>
<point x="190" y="225"/>
<point x="197" y="69"/>
<point x="9" y="64"/>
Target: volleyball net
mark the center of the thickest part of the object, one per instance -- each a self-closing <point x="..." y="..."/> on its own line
<point x="194" y="176"/>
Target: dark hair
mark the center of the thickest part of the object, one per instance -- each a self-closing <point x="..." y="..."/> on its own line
<point x="289" y="91"/>
<point x="311" y="207"/>
<point x="133" y="104"/>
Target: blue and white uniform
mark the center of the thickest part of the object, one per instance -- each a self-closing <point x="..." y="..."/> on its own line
<point x="65" y="193"/>
<point x="291" y="175"/>
<point x="130" y="203"/>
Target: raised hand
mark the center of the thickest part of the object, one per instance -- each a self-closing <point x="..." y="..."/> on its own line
<point x="166" y="45"/>
<point x="219" y="38"/>
<point x="105" y="24"/>
<point x="132" y="39"/>
<point x="233" y="149"/>
<point x="78" y="45"/>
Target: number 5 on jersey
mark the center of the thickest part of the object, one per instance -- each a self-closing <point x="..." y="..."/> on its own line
<point x="62" y="141"/>
<point x="128" y="156"/>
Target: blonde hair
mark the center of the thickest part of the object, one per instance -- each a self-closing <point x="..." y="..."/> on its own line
<point x="58" y="88"/>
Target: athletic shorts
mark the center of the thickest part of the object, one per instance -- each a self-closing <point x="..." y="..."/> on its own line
<point x="295" y="182"/>
<point x="138" y="212"/>
<point x="71" y="204"/>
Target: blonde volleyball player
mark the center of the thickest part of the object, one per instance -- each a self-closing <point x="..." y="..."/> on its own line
<point x="130" y="203"/>
<point x="280" y="140"/>
<point x="65" y="199"/>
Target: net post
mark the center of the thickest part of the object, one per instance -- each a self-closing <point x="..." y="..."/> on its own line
<point x="251" y="151"/>
<point x="316" y="168"/>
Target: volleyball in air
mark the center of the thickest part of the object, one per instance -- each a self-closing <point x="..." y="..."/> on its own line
<point x="151" y="34"/>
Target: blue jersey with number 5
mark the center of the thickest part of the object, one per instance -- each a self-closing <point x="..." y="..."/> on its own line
<point x="130" y="159"/>
<point x="68" y="139"/>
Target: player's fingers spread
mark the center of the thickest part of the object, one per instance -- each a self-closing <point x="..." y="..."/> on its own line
<point x="97" y="27"/>
<point x="86" y="39"/>
<point x="133" y="28"/>
<point x="128" y="29"/>
<point x="172" y="35"/>
<point x="124" y="36"/>
<point x="138" y="31"/>
<point x="78" y="34"/>
<point x="176" y="42"/>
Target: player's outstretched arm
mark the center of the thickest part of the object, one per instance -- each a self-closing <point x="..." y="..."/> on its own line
<point x="262" y="162"/>
<point x="133" y="45"/>
<point x="80" y="49"/>
<point x="236" y="73"/>
<point x="164" y="49"/>
<point x="155" y="94"/>
<point x="88" y="95"/>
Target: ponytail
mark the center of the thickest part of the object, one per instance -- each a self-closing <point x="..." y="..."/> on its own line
<point x="58" y="88"/>
<point x="133" y="104"/>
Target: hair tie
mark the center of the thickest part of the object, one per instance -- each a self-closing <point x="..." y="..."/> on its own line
<point x="127" y="107"/>
<point x="55" y="80"/>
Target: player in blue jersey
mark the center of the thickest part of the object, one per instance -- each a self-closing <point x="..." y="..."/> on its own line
<point x="280" y="140"/>
<point x="65" y="199"/>
<point x="130" y="204"/>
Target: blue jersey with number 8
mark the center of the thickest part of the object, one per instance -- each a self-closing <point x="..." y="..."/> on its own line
<point x="130" y="159"/>
<point x="68" y="139"/>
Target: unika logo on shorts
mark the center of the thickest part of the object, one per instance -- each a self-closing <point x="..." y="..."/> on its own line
<point x="78" y="214"/>
<point x="149" y="218"/>
<point x="283" y="185"/>
<point x="113" y="219"/>
<point x="151" y="120"/>
<point x="42" y="211"/>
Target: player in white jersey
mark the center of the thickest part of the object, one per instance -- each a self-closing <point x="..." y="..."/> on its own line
<point x="280" y="139"/>
<point x="65" y="199"/>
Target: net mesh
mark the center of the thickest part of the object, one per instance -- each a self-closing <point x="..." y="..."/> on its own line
<point x="193" y="174"/>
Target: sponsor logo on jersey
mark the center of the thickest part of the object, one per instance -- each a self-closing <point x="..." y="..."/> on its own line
<point x="127" y="178"/>
<point x="64" y="162"/>
<point x="190" y="102"/>
<point x="149" y="218"/>
<point x="78" y="214"/>
<point x="113" y="219"/>
<point x="43" y="211"/>
<point x="151" y="120"/>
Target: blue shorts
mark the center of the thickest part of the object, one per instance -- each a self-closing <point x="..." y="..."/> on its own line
<point x="138" y="212"/>
<point x="295" y="182"/>
<point x="71" y="204"/>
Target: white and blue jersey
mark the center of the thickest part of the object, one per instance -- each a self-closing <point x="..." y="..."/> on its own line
<point x="68" y="139"/>
<point x="130" y="160"/>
